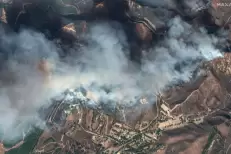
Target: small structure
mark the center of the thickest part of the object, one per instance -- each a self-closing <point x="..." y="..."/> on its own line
<point x="165" y="109"/>
<point x="171" y="124"/>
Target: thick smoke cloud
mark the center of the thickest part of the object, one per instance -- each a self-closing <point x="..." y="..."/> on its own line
<point x="22" y="85"/>
<point x="160" y="3"/>
<point x="181" y="6"/>
<point x="102" y="63"/>
<point x="179" y="54"/>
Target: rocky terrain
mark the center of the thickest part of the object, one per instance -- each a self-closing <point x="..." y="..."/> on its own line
<point x="192" y="117"/>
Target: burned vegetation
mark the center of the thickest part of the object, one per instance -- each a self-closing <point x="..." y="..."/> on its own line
<point x="188" y="117"/>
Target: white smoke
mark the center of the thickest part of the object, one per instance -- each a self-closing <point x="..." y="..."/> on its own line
<point x="183" y="46"/>
<point x="189" y="7"/>
<point x="22" y="86"/>
<point x="159" y="3"/>
<point x="103" y="62"/>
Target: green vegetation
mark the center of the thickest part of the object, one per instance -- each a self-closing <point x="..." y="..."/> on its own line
<point x="158" y="132"/>
<point x="29" y="144"/>
<point x="210" y="140"/>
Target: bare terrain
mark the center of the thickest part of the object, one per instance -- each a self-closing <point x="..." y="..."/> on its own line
<point x="188" y="118"/>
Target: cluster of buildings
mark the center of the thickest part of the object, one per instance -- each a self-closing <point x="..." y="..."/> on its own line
<point x="174" y="122"/>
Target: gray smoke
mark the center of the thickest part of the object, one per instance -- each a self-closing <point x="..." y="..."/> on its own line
<point x="184" y="46"/>
<point x="102" y="63"/>
<point x="23" y="90"/>
<point x="189" y="7"/>
<point x="171" y="4"/>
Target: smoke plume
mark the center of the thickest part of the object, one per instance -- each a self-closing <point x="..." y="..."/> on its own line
<point x="102" y="64"/>
<point x="183" y="7"/>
